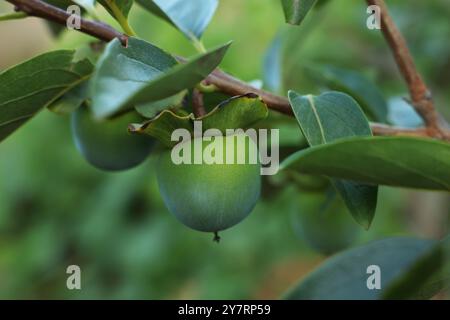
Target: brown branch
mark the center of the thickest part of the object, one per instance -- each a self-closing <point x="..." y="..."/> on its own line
<point x="232" y="86"/>
<point x="198" y="106"/>
<point x="46" y="11"/>
<point x="385" y="130"/>
<point x="421" y="98"/>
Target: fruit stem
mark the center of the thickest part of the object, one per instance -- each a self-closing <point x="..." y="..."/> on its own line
<point x="216" y="237"/>
<point x="198" y="44"/>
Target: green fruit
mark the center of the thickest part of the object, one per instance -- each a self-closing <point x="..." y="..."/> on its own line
<point x="107" y="145"/>
<point x="210" y="197"/>
<point x="324" y="223"/>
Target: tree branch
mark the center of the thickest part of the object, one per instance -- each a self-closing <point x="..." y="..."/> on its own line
<point x="385" y="130"/>
<point x="421" y="98"/>
<point x="46" y="11"/>
<point x="232" y="86"/>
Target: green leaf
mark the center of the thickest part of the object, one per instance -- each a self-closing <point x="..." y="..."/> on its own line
<point x="296" y="10"/>
<point x="427" y="276"/>
<point x="190" y="16"/>
<point x="143" y="73"/>
<point x="75" y="97"/>
<point x="162" y="126"/>
<point x="29" y="87"/>
<point x="239" y="112"/>
<point x="119" y="9"/>
<point x="149" y="110"/>
<point x="72" y="100"/>
<point x="359" y="87"/>
<point x="360" y="199"/>
<point x="345" y="276"/>
<point x="330" y="117"/>
<point x="395" y="161"/>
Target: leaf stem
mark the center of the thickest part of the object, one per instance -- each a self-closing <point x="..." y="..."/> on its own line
<point x="198" y="44"/>
<point x="13" y="16"/>
<point x="206" y="88"/>
<point x="121" y="19"/>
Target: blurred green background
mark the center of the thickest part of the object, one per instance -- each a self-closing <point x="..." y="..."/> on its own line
<point x="56" y="210"/>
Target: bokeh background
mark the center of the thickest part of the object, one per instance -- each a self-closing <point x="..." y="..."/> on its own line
<point x="56" y="210"/>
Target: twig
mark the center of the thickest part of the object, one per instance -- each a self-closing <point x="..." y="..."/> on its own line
<point x="46" y="11"/>
<point x="198" y="106"/>
<point x="421" y="98"/>
<point x="385" y="130"/>
<point x="232" y="86"/>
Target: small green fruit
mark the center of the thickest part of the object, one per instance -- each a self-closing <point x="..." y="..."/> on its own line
<point x="210" y="197"/>
<point x="107" y="145"/>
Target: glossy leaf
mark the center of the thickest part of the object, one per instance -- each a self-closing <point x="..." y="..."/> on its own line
<point x="359" y="87"/>
<point x="394" y="161"/>
<point x="29" y="87"/>
<point x="360" y="199"/>
<point x="239" y="112"/>
<point x="296" y="10"/>
<point x="330" y="117"/>
<point x="121" y="72"/>
<point x="143" y="73"/>
<point x="150" y="110"/>
<point x="190" y="16"/>
<point x="345" y="275"/>
<point x="162" y="126"/>
<point x="71" y="100"/>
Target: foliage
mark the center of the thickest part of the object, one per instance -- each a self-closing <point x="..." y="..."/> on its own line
<point x="117" y="224"/>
